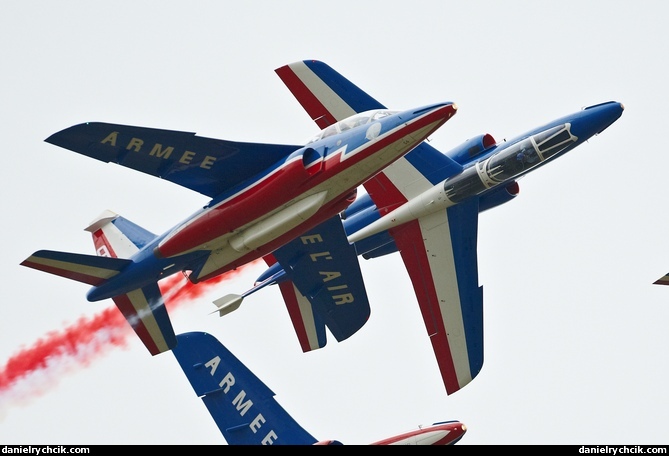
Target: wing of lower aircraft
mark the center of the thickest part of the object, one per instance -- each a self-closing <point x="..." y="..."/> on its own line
<point x="205" y="165"/>
<point x="324" y="285"/>
<point x="246" y="412"/>
<point x="439" y="251"/>
<point x="320" y="280"/>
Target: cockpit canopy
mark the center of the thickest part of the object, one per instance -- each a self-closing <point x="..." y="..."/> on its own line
<point x="352" y="122"/>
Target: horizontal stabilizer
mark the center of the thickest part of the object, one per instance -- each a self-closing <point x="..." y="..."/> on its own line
<point x="90" y="269"/>
<point x="145" y="310"/>
<point x="242" y="406"/>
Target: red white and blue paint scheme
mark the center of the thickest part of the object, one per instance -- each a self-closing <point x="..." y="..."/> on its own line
<point x="246" y="412"/>
<point x="426" y="205"/>
<point x="262" y="196"/>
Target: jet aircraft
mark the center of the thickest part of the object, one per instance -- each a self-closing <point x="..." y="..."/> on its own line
<point x="664" y="280"/>
<point x="424" y="205"/>
<point x="262" y="196"/>
<point x="246" y="412"/>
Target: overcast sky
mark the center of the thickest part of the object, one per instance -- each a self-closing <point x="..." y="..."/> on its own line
<point x="575" y="331"/>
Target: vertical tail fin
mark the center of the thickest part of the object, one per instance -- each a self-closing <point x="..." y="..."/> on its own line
<point x="117" y="237"/>
<point x="144" y="308"/>
<point x="242" y="406"/>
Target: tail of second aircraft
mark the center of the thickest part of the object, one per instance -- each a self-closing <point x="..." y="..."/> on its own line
<point x="116" y="240"/>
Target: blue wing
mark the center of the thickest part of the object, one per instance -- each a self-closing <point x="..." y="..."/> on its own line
<point x="205" y="165"/>
<point x="242" y="406"/>
<point x="323" y="285"/>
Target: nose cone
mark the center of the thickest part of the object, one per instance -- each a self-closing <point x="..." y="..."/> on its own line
<point x="437" y="114"/>
<point x="419" y="123"/>
<point x="448" y="108"/>
<point x="595" y="119"/>
<point x="455" y="430"/>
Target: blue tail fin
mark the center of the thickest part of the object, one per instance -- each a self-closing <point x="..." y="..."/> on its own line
<point x="116" y="240"/>
<point x="242" y="406"/>
<point x="144" y="308"/>
<point x="116" y="236"/>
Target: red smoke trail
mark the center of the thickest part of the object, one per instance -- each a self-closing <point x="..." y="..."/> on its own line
<point x="75" y="347"/>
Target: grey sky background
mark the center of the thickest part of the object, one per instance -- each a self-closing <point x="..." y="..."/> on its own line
<point x="575" y="331"/>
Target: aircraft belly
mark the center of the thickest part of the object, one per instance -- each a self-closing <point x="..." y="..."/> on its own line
<point x="261" y="233"/>
<point x="277" y="224"/>
<point x="350" y="176"/>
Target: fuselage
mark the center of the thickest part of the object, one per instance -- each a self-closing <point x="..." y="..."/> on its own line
<point x="309" y="186"/>
<point x="500" y="165"/>
<point x="444" y="433"/>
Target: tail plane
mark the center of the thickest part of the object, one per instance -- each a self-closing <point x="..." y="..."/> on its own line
<point x="115" y="239"/>
<point x="245" y="410"/>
